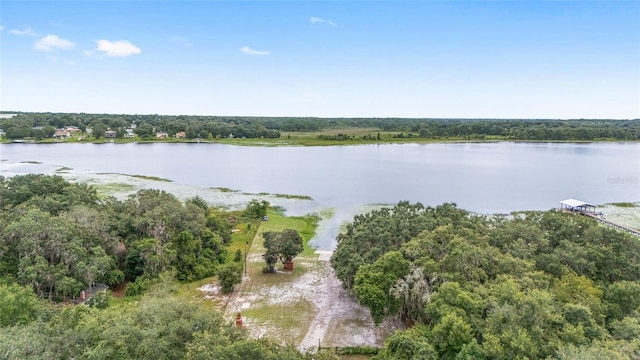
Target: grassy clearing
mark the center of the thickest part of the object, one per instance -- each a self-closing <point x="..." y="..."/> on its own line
<point x="357" y="136"/>
<point x="243" y="236"/>
<point x="275" y="308"/>
<point x="306" y="226"/>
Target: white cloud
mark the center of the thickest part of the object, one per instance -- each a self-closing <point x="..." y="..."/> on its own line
<point x="249" y="51"/>
<point x="1" y="27"/>
<point x="53" y="42"/>
<point x="319" y="20"/>
<point x="120" y="48"/>
<point x="27" y="31"/>
<point x="180" y="40"/>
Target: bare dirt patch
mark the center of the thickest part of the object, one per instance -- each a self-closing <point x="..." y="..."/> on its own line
<point x="303" y="308"/>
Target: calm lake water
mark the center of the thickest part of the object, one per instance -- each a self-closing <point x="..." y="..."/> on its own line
<point x="480" y="177"/>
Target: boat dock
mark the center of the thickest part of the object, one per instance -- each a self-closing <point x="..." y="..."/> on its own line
<point x="580" y="207"/>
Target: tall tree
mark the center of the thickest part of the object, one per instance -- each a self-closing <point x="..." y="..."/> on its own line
<point x="282" y="245"/>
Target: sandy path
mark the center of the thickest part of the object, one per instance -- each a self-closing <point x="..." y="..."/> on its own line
<point x="339" y="320"/>
<point x="320" y="324"/>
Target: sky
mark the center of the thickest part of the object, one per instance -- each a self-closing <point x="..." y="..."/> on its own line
<point x="420" y="59"/>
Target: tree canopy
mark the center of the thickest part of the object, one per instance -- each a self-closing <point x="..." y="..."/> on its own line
<point x="281" y="246"/>
<point x="161" y="326"/>
<point x="59" y="238"/>
<point x="532" y="285"/>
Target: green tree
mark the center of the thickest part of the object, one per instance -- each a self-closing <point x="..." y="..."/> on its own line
<point x="622" y="299"/>
<point x="256" y="210"/>
<point x="200" y="202"/>
<point x="409" y="345"/>
<point x="450" y="335"/>
<point x="228" y="276"/>
<point x="191" y="262"/>
<point x="98" y="130"/>
<point x="414" y="292"/>
<point x="374" y="282"/>
<point x="281" y="246"/>
<point x="18" y="305"/>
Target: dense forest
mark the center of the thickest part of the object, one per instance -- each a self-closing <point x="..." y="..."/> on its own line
<point x="59" y="238"/>
<point x="159" y="326"/>
<point x="43" y="125"/>
<point x="534" y="285"/>
<point x="530" y="285"/>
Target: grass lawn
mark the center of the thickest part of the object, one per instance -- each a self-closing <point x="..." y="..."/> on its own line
<point x="305" y="225"/>
<point x="243" y="235"/>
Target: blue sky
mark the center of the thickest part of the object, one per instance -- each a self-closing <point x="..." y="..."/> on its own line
<point x="496" y="59"/>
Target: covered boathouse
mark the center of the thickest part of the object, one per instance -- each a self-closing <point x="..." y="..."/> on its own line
<point x="574" y="205"/>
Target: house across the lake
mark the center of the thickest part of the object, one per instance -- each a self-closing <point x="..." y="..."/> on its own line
<point x="61" y="134"/>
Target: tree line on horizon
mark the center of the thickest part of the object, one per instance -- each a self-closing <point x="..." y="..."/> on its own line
<point x="43" y="125"/>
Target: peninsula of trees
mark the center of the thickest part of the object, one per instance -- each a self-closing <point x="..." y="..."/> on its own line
<point x="534" y="285"/>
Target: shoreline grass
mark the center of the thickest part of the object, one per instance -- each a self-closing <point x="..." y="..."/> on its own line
<point x="624" y="204"/>
<point x="355" y="136"/>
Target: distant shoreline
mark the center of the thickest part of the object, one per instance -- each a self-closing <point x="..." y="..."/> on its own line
<point x="285" y="142"/>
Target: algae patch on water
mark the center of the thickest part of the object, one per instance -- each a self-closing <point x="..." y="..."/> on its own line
<point x="154" y="178"/>
<point x="289" y="196"/>
<point x="143" y="177"/>
<point x="224" y="189"/>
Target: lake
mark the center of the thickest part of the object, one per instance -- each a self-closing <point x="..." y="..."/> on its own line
<point x="480" y="177"/>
